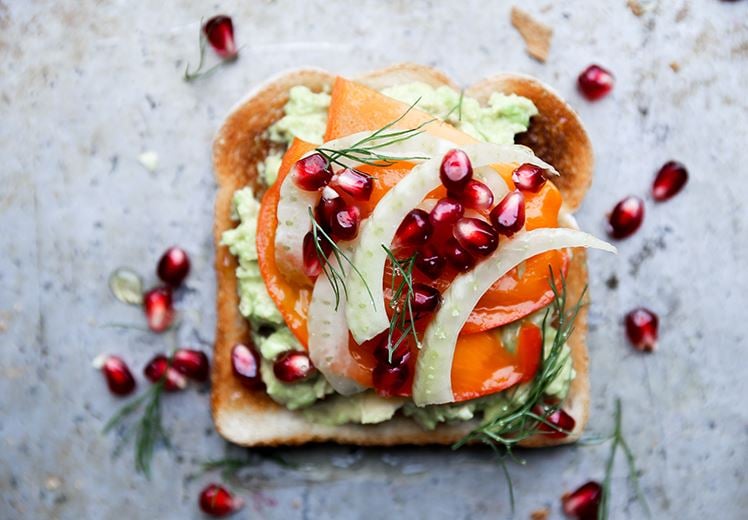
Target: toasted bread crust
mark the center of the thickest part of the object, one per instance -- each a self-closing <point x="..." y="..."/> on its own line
<point x="251" y="418"/>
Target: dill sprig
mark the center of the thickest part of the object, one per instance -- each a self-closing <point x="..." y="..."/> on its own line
<point x="231" y="466"/>
<point x="401" y="304"/>
<point x="335" y="275"/>
<point x="367" y="150"/>
<point x="618" y="440"/>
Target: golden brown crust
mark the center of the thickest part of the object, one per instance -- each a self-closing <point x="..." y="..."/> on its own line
<point x="249" y="417"/>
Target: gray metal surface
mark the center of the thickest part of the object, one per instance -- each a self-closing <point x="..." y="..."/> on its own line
<point x="87" y="86"/>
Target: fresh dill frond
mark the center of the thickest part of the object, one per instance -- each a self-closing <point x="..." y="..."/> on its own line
<point x="401" y="301"/>
<point x="231" y="466"/>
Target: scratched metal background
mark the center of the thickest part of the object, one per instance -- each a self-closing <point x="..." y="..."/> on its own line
<point x="86" y="86"/>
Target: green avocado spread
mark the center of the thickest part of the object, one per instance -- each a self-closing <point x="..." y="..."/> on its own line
<point x="305" y="117"/>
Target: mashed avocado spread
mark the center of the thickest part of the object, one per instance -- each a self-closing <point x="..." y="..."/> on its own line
<point x="305" y="117"/>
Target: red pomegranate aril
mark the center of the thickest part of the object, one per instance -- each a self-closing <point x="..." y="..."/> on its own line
<point x="329" y="204"/>
<point x="246" y="366"/>
<point x="475" y="195"/>
<point x="508" y="216"/>
<point x="390" y="381"/>
<point x="476" y="236"/>
<point x="158" y="366"/>
<point x="584" y="502"/>
<point x="626" y="217"/>
<point x="669" y="181"/>
<point x="355" y="183"/>
<point x="312" y="172"/>
<point x="446" y="212"/>
<point x="215" y="500"/>
<point x="119" y="379"/>
<point x="174" y="266"/>
<point x="192" y="363"/>
<point x="641" y="329"/>
<point x="310" y="254"/>
<point x="457" y="256"/>
<point x="401" y="353"/>
<point x="595" y="82"/>
<point x="345" y="223"/>
<point x="159" y="312"/>
<point x="414" y="230"/>
<point x="425" y="300"/>
<point x="293" y="366"/>
<point x="455" y="171"/>
<point x="430" y="262"/>
<point x="528" y="177"/>
<point x="219" y="31"/>
<point x="558" y="418"/>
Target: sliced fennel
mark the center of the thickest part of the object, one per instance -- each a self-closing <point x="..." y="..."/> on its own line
<point x="432" y="383"/>
<point x="366" y="315"/>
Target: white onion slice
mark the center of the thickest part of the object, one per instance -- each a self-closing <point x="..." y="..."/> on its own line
<point x="433" y="381"/>
<point x="365" y="310"/>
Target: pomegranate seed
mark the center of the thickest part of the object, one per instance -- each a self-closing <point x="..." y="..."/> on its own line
<point x="246" y="365"/>
<point x="560" y="419"/>
<point x="456" y="171"/>
<point x="219" y="31"/>
<point x="583" y="504"/>
<point x="389" y="381"/>
<point x="669" y="181"/>
<point x="329" y="204"/>
<point x="626" y="217"/>
<point x="414" y="230"/>
<point x="508" y="216"/>
<point x="158" y="366"/>
<point x="430" y="263"/>
<point x="595" y="82"/>
<point x="192" y="363"/>
<point x="425" y="299"/>
<point x="476" y="236"/>
<point x="293" y="366"/>
<point x="446" y="212"/>
<point x="312" y="172"/>
<point x="355" y="183"/>
<point x="345" y="223"/>
<point x="476" y="195"/>
<point x="310" y="254"/>
<point x="158" y="308"/>
<point x="457" y="256"/>
<point x="215" y="500"/>
<point x="400" y="355"/>
<point x="641" y="329"/>
<point x="174" y="266"/>
<point x="529" y="177"/>
<point x="117" y="374"/>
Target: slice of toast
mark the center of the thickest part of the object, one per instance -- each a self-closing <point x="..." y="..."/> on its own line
<point x="251" y="418"/>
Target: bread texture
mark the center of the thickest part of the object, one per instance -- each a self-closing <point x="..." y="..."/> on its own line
<point x="251" y="418"/>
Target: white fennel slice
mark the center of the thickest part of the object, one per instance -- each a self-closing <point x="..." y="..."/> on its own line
<point x="432" y="383"/>
<point x="365" y="309"/>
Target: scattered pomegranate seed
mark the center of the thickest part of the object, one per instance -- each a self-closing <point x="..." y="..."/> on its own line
<point x="414" y="230"/>
<point x="219" y="31"/>
<point x="641" y="329"/>
<point x="215" y="500"/>
<point x="476" y="236"/>
<point x="312" y="172"/>
<point x="430" y="263"/>
<point x="293" y="366"/>
<point x="457" y="256"/>
<point x="329" y="204"/>
<point x="446" y="212"/>
<point x="669" y="180"/>
<point x="425" y="300"/>
<point x="310" y="254"/>
<point x="345" y="223"/>
<point x="246" y="365"/>
<point x="355" y="183"/>
<point x="560" y="419"/>
<point x="626" y="217"/>
<point x="508" y="216"/>
<point x="174" y="266"/>
<point x="400" y="355"/>
<point x="595" y="82"/>
<point x="117" y="374"/>
<point x="192" y="363"/>
<point x="390" y="381"/>
<point x="528" y="177"/>
<point x="455" y="171"/>
<point x="158" y="366"/>
<point x="583" y="504"/>
<point x="476" y="195"/>
<point x="159" y="311"/>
